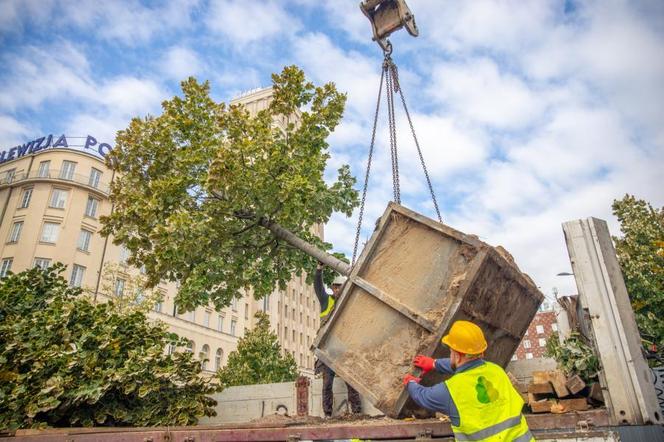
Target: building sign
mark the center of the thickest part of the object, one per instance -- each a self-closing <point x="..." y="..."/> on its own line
<point x="91" y="145"/>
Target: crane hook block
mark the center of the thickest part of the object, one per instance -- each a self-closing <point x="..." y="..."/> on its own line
<point x="387" y="16"/>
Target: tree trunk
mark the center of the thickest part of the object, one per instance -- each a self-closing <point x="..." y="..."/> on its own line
<point x="335" y="264"/>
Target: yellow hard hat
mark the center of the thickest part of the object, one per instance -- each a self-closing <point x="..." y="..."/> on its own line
<point x="465" y="337"/>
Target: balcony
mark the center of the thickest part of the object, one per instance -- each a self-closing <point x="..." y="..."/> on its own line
<point x="54" y="176"/>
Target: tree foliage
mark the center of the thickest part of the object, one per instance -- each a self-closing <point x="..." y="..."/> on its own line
<point x="574" y="356"/>
<point x="65" y="361"/>
<point x="258" y="359"/>
<point x="194" y="185"/>
<point x="641" y="256"/>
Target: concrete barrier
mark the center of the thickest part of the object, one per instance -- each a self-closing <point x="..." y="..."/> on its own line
<point x="245" y="403"/>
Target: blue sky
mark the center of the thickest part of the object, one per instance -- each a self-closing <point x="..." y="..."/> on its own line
<point x="529" y="113"/>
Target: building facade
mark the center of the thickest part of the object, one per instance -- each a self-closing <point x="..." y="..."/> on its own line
<point x="51" y="201"/>
<point x="533" y="344"/>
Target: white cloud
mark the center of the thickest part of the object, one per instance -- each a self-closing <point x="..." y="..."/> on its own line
<point x="180" y="62"/>
<point x="244" y="22"/>
<point x="479" y="91"/>
<point x="131" y="96"/>
<point x="13" y="132"/>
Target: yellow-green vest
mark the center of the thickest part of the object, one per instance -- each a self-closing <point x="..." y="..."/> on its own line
<point x="330" y="307"/>
<point x="489" y="406"/>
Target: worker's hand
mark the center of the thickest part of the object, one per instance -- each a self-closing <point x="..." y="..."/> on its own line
<point x="409" y="377"/>
<point x="425" y="363"/>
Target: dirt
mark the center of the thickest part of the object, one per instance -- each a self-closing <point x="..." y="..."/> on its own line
<point x="278" y="420"/>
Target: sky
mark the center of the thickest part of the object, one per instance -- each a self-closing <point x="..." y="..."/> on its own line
<point x="528" y="113"/>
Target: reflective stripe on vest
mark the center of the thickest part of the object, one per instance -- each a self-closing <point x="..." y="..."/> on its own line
<point x="330" y="307"/>
<point x="489" y="407"/>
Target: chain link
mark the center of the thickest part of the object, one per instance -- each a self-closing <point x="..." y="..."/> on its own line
<point x="392" y="130"/>
<point x="419" y="151"/>
<point x="366" y="175"/>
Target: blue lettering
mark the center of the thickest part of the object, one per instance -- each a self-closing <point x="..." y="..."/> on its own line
<point x="2" y="156"/>
<point x="62" y="141"/>
<point x="90" y="141"/>
<point x="34" y="147"/>
<point x="10" y="155"/>
<point x="22" y="149"/>
<point x="48" y="142"/>
<point x="103" y="146"/>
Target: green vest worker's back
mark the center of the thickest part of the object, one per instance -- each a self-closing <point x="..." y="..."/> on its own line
<point x="489" y="406"/>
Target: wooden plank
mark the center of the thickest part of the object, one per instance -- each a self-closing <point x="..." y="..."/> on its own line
<point x="395" y="304"/>
<point x="557" y="379"/>
<point x="575" y="384"/>
<point x="543" y="388"/>
<point x="543" y="406"/>
<point x="540" y="377"/>
<point x="575" y="404"/>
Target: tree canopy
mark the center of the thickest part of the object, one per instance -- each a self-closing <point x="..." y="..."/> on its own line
<point x="196" y="185"/>
<point x="258" y="359"/>
<point x="65" y="361"/>
<point x="641" y="256"/>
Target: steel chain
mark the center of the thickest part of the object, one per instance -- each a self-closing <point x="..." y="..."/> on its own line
<point x="393" y="132"/>
<point x="366" y="175"/>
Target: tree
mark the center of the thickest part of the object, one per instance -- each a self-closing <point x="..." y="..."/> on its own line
<point x="207" y="195"/>
<point x="641" y="256"/>
<point x="258" y="359"/>
<point x="65" y="361"/>
<point x="135" y="295"/>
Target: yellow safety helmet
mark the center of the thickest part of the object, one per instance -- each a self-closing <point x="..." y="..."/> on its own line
<point x="465" y="337"/>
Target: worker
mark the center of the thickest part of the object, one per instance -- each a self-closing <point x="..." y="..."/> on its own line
<point x="479" y="398"/>
<point x="327" y="303"/>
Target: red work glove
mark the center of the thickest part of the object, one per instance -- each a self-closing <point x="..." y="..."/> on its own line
<point x="409" y="377"/>
<point x="424" y="362"/>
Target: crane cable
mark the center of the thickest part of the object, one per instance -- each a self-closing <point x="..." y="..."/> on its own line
<point x="390" y="76"/>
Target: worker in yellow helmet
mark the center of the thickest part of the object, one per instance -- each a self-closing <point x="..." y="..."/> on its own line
<point x="479" y="398"/>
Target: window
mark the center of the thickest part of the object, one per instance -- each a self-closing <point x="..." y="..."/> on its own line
<point x="286" y="311"/>
<point x="77" y="273"/>
<point x="233" y="324"/>
<point x="6" y="266"/>
<point x="554" y="327"/>
<point x="9" y="177"/>
<point x="190" y="347"/>
<point x="95" y="175"/>
<point x="67" y="171"/>
<point x="526" y="344"/>
<point x="91" y="207"/>
<point x="218" y="358"/>
<point x="246" y="311"/>
<point x="84" y="240"/>
<point x="42" y="263"/>
<point x="118" y="290"/>
<point x="301" y="339"/>
<point x="515" y="357"/>
<point x="159" y="305"/>
<point x="171" y="349"/>
<point x="220" y="323"/>
<point x="204" y="355"/>
<point x="44" y="169"/>
<point x="529" y="355"/>
<point x="293" y="336"/>
<point x="540" y="329"/>
<point x="542" y="342"/>
<point x="15" y="232"/>
<point x="300" y="317"/>
<point x="25" y="199"/>
<point x="234" y="304"/>
<point x="285" y="333"/>
<point x="206" y="318"/>
<point x="301" y="298"/>
<point x="266" y="303"/>
<point x="124" y="255"/>
<point x="301" y="360"/>
<point x="293" y="316"/>
<point x="58" y="198"/>
<point x="50" y="232"/>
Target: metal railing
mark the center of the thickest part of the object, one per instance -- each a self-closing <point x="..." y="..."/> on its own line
<point x="76" y="178"/>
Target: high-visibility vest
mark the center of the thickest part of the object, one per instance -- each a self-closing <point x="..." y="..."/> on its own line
<point x="330" y="307"/>
<point x="489" y="406"/>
